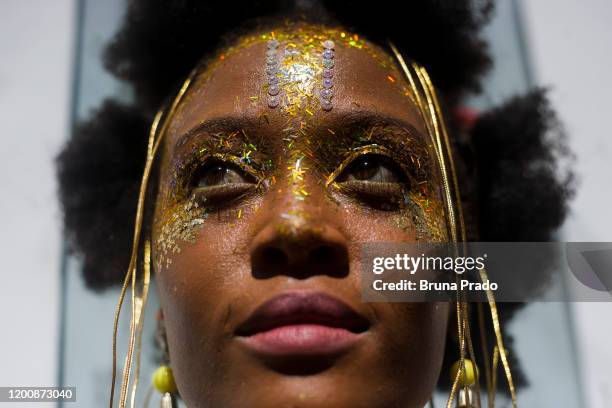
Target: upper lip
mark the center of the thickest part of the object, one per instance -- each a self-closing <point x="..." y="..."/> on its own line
<point x="295" y="308"/>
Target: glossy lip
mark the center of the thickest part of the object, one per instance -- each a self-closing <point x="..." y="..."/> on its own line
<point x="302" y="323"/>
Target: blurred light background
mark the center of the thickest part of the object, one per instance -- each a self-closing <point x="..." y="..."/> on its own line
<point x="50" y="74"/>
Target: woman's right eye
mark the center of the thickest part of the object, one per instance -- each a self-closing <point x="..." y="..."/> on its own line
<point x="221" y="184"/>
<point x="218" y="174"/>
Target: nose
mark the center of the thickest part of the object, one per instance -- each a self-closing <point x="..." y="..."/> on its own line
<point x="300" y="252"/>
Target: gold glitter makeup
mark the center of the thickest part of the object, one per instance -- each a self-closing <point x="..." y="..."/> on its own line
<point x="294" y="76"/>
<point x="417" y="201"/>
<point x="185" y="206"/>
<point x="301" y="81"/>
<point x="299" y="65"/>
<point x="178" y="227"/>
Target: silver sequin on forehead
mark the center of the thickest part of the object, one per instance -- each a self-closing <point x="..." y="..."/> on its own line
<point x="325" y="93"/>
<point x="272" y="72"/>
<point x="296" y="72"/>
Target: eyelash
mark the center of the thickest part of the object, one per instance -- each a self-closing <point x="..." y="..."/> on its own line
<point x="373" y="166"/>
<point x="219" y="194"/>
<point x="379" y="194"/>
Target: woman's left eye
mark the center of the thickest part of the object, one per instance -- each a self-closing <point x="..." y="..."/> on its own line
<point x="373" y="169"/>
<point x="375" y="180"/>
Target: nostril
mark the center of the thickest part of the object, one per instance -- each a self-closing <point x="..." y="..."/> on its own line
<point x="329" y="260"/>
<point x="310" y="252"/>
<point x="275" y="257"/>
<point x="322" y="255"/>
<point x="269" y="261"/>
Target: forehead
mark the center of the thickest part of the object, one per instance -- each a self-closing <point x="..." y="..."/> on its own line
<point x="235" y="82"/>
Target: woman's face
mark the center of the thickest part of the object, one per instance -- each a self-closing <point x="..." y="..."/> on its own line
<point x="285" y="156"/>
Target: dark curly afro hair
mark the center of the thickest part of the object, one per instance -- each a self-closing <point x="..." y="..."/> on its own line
<point x="509" y="158"/>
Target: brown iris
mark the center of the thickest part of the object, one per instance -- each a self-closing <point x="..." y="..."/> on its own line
<point x="373" y="168"/>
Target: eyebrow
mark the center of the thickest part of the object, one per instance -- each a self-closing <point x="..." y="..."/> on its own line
<point x="349" y="119"/>
<point x="369" y="119"/>
<point x="217" y="125"/>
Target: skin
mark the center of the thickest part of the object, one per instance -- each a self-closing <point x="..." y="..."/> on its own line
<point x="260" y="243"/>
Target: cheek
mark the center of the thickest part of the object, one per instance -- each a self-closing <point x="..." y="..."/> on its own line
<point x="408" y="224"/>
<point x="197" y="290"/>
<point x="214" y="265"/>
<point x="414" y="335"/>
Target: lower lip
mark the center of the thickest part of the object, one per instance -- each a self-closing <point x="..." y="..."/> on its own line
<point x="302" y="339"/>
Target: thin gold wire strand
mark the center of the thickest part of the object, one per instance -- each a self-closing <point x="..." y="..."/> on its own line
<point x="127" y="368"/>
<point x="429" y="111"/>
<point x="436" y="125"/>
<point x="442" y="144"/>
<point x="492" y="304"/>
<point x="413" y="86"/>
<point x="134" y="262"/>
<point x="494" y="373"/>
<point x="433" y="103"/>
<point x="140" y="318"/>
<point x="500" y="342"/>
<point x="463" y="325"/>
<point x="152" y="147"/>
<point x="485" y="353"/>
<point x="441" y="126"/>
<point x="470" y="347"/>
<point x="128" y="276"/>
<point x="151" y="155"/>
<point x="446" y="139"/>
<point x="460" y="327"/>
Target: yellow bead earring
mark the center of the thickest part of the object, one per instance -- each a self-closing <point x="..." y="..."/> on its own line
<point x="163" y="381"/>
<point x="467" y="379"/>
<point x="163" y="378"/>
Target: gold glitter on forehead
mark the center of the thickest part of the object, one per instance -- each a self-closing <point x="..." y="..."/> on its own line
<point x="301" y="58"/>
<point x="298" y="68"/>
<point x="302" y="49"/>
